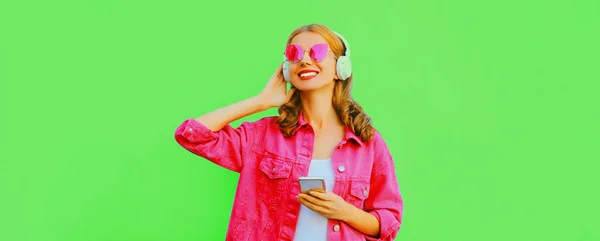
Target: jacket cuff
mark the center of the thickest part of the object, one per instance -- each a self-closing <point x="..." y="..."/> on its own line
<point x="194" y="131"/>
<point x="388" y="225"/>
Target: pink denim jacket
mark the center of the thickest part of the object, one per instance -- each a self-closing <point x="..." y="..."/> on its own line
<point x="265" y="206"/>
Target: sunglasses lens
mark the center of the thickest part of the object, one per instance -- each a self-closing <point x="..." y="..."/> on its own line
<point x="318" y="52"/>
<point x="293" y="52"/>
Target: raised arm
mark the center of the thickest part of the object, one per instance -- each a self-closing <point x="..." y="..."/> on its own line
<point x="211" y="136"/>
<point x="216" y="120"/>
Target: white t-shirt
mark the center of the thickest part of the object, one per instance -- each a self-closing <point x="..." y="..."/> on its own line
<point x="312" y="226"/>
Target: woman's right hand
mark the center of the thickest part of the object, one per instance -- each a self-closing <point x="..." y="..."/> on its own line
<point x="274" y="94"/>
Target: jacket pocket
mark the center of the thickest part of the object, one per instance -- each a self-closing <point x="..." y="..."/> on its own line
<point x="359" y="192"/>
<point x="275" y="168"/>
<point x="273" y="182"/>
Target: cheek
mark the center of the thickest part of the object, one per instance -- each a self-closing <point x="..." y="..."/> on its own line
<point x="328" y="70"/>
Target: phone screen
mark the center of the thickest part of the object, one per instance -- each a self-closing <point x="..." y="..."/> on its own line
<point x="312" y="183"/>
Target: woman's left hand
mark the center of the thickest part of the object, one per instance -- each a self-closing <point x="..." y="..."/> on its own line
<point x="327" y="204"/>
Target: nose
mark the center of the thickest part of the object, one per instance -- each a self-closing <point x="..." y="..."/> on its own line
<point x="306" y="59"/>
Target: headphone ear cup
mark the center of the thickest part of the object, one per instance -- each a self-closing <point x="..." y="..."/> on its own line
<point x="286" y="71"/>
<point x="344" y="68"/>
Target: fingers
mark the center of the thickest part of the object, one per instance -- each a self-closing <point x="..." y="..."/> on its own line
<point x="279" y="70"/>
<point x="321" y="190"/>
<point x="310" y="199"/>
<point x="320" y="195"/>
<point x="306" y="203"/>
<point x="304" y="199"/>
<point x="278" y="74"/>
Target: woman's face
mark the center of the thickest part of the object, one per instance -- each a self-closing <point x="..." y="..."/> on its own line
<point x="307" y="74"/>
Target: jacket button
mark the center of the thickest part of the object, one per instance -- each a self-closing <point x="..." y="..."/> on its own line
<point x="341" y="168"/>
<point x="336" y="228"/>
<point x="365" y="192"/>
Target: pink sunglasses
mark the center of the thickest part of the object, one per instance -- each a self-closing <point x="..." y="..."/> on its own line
<point x="318" y="52"/>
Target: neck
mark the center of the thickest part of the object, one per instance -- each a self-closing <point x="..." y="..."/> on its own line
<point x="318" y="110"/>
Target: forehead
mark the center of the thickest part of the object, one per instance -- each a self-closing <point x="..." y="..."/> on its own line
<point x="308" y="39"/>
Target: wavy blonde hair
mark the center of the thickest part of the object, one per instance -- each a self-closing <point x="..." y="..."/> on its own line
<point x="348" y="110"/>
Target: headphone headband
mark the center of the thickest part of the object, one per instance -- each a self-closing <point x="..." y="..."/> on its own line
<point x="346" y="46"/>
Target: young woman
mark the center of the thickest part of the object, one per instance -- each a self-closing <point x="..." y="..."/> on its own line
<point x="320" y="131"/>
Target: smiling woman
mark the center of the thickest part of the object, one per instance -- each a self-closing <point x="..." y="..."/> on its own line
<point x="321" y="132"/>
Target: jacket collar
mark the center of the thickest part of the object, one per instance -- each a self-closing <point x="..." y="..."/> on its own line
<point x="349" y="134"/>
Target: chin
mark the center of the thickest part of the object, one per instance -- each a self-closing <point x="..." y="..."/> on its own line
<point x="311" y="85"/>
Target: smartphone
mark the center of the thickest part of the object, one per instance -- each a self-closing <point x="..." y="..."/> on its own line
<point x="308" y="183"/>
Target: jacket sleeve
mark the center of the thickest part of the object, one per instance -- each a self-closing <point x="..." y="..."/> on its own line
<point x="385" y="201"/>
<point x="226" y="147"/>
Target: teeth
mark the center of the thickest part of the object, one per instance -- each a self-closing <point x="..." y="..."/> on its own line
<point x="308" y="74"/>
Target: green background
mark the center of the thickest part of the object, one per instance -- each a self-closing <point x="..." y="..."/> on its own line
<point x="490" y="109"/>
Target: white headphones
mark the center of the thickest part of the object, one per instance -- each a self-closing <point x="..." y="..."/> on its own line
<point x="343" y="66"/>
